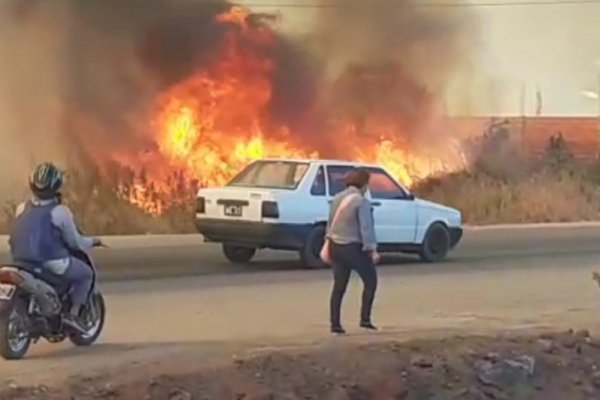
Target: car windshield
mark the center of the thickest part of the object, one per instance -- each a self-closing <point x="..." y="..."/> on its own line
<point x="271" y="174"/>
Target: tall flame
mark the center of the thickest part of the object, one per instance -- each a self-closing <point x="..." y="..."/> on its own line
<point x="211" y="124"/>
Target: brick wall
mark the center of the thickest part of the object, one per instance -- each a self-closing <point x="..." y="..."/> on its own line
<point x="580" y="133"/>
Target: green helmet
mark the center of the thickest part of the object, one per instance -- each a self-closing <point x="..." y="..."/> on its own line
<point x="45" y="181"/>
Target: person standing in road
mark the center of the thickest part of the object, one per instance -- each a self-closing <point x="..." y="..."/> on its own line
<point x="352" y="246"/>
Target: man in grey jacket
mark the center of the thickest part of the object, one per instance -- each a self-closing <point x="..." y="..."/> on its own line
<point x="44" y="234"/>
<point x="353" y="246"/>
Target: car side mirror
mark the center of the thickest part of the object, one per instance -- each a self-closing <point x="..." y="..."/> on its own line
<point x="410" y="196"/>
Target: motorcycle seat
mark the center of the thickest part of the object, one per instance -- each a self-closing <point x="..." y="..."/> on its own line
<point x="56" y="281"/>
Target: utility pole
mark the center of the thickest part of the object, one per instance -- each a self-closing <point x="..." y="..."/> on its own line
<point x="523" y="118"/>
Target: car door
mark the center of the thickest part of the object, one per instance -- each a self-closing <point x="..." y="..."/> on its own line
<point x="394" y="209"/>
<point x="317" y="201"/>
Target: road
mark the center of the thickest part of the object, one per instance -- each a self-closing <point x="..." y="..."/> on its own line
<point x="498" y="280"/>
<point x="170" y="256"/>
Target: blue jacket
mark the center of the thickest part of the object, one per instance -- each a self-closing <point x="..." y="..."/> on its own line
<point x="43" y="233"/>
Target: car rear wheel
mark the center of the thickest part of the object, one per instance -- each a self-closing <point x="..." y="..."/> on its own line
<point x="436" y="244"/>
<point x="238" y="254"/>
<point x="309" y="255"/>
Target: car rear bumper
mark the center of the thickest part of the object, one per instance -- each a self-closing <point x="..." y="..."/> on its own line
<point x="256" y="234"/>
<point x="456" y="234"/>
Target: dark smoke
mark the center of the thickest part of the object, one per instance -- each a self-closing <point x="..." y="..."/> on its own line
<point x="117" y="48"/>
<point x="106" y="60"/>
<point x="392" y="58"/>
<point x="122" y="53"/>
<point x="295" y="87"/>
<point x="181" y="40"/>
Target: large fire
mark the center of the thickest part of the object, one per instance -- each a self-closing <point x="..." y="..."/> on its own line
<point x="208" y="126"/>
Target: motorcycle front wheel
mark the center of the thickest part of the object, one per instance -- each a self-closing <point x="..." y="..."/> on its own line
<point x="15" y="338"/>
<point x="92" y="316"/>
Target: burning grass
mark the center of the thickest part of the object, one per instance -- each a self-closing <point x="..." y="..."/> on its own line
<point x="192" y="91"/>
<point x="189" y="92"/>
<point x="526" y="193"/>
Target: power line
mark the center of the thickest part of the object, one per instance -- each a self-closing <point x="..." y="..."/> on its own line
<point x="431" y="5"/>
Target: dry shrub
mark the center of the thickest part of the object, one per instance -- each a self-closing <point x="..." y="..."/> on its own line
<point x="539" y="194"/>
<point x="504" y="185"/>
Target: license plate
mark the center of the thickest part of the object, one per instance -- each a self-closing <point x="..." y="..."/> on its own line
<point x="6" y="291"/>
<point x="233" y="211"/>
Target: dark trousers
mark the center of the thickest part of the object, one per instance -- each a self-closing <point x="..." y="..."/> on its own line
<point x="345" y="258"/>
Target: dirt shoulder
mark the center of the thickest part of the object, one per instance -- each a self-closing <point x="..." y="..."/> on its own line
<point x="533" y="366"/>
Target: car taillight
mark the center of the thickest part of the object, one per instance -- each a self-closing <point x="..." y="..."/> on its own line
<point x="200" y="205"/>
<point x="10" y="276"/>
<point x="270" y="209"/>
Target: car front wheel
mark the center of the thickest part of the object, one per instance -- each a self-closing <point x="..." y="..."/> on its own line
<point x="238" y="254"/>
<point x="436" y="244"/>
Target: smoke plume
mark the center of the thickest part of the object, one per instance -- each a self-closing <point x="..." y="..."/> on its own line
<point x="80" y="78"/>
<point x="393" y="58"/>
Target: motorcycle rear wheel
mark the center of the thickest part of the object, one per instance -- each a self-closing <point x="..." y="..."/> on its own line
<point x="15" y="337"/>
<point x="93" y="314"/>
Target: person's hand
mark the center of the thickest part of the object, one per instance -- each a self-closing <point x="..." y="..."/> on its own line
<point x="375" y="257"/>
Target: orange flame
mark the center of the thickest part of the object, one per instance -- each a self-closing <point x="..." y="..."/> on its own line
<point x="212" y="124"/>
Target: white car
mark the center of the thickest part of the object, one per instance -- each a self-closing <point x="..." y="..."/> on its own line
<point x="284" y="204"/>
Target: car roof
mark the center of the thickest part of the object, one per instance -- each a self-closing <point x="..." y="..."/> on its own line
<point x="322" y="161"/>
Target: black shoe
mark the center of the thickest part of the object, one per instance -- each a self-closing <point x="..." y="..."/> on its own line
<point x="338" y="330"/>
<point x="369" y="326"/>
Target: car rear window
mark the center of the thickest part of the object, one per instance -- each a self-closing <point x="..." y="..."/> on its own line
<point x="271" y="175"/>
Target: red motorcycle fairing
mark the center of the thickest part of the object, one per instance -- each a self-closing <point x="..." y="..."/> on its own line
<point x="10" y="281"/>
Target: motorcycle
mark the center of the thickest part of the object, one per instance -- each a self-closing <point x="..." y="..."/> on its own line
<point x="32" y="305"/>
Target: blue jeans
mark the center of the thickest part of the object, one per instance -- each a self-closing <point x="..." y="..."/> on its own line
<point x="80" y="277"/>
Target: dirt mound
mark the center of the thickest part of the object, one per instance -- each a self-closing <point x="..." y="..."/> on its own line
<point x="551" y="366"/>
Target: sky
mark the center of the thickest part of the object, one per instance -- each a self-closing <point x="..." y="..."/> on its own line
<point x="555" y="48"/>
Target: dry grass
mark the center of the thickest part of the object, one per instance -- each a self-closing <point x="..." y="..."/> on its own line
<point x="100" y="211"/>
<point x="503" y="187"/>
<point x="540" y="197"/>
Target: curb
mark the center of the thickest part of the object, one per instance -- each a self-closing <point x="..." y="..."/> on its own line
<point x="545" y="225"/>
<point x="193" y="239"/>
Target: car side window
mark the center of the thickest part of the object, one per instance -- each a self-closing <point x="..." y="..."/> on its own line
<point x="336" y="174"/>
<point x="318" y="186"/>
<point x="382" y="186"/>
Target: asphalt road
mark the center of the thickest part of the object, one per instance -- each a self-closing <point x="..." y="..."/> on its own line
<point x="158" y="257"/>
<point x="497" y="280"/>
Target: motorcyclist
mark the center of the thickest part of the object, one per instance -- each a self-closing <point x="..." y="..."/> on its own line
<point x="44" y="234"/>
